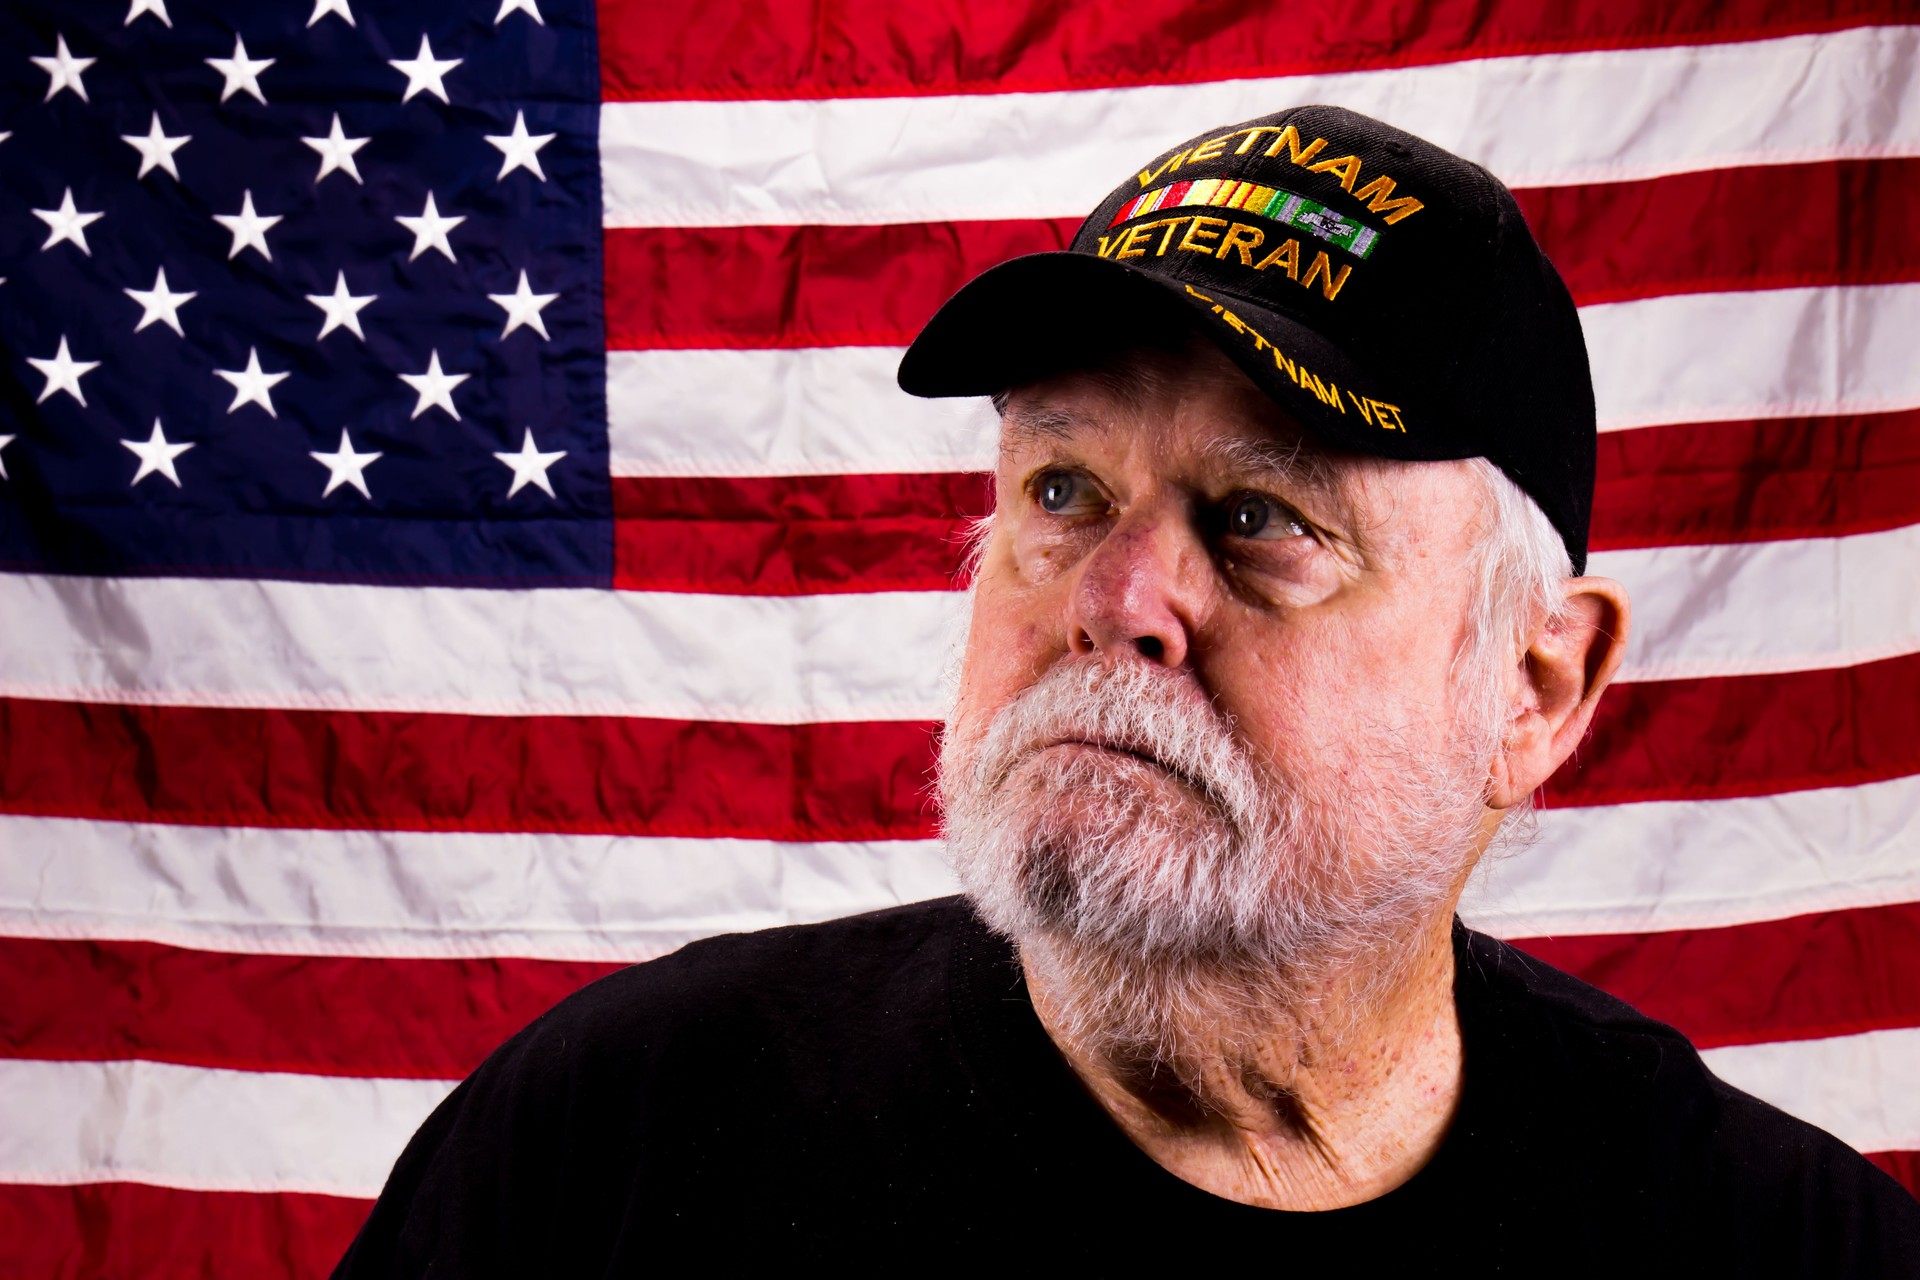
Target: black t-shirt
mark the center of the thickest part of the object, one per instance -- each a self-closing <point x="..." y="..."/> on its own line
<point x="879" y="1088"/>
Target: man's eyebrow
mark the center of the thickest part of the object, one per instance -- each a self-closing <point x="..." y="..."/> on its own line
<point x="1293" y="462"/>
<point x="1023" y="427"/>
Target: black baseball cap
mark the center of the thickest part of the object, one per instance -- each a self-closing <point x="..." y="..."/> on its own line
<point x="1386" y="293"/>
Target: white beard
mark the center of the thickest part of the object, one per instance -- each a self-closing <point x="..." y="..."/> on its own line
<point x="1203" y="900"/>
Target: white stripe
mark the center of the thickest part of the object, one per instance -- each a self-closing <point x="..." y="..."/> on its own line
<point x="813" y="411"/>
<point x="1750" y="607"/>
<point x="1701" y="864"/>
<point x="433" y="894"/>
<point x="240" y="643"/>
<point x="1864" y="1089"/>
<point x="1607" y="869"/>
<point x="1772" y="353"/>
<point x="205" y="1129"/>
<point x="209" y="1129"/>
<point x="1532" y="120"/>
<point x="1730" y="609"/>
<point x="1717" y="357"/>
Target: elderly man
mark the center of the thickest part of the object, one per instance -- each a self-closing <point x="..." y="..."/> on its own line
<point x="1276" y="624"/>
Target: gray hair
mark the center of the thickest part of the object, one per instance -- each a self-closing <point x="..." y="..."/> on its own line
<point x="1519" y="565"/>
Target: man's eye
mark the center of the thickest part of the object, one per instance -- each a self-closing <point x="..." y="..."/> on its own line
<point x="1064" y="493"/>
<point x="1254" y="515"/>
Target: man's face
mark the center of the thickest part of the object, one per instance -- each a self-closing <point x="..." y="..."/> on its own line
<point x="1208" y="700"/>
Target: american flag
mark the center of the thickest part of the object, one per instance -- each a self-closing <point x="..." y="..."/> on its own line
<point x="459" y="533"/>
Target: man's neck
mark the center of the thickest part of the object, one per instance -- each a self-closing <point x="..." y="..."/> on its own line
<point x="1334" y="1099"/>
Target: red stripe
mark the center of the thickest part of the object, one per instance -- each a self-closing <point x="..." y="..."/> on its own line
<point x="1845" y="222"/>
<point x="403" y="771"/>
<point x="659" y="49"/>
<point x="1661" y="740"/>
<point x="1711" y="482"/>
<point x="1832" y="974"/>
<point x="1757" y="228"/>
<point x="795" y="534"/>
<point x="1753" y="481"/>
<point x="1728" y="736"/>
<point x="1902" y="1166"/>
<point x="318" y="1015"/>
<point x="1836" y="973"/>
<point x="157" y="1233"/>
<point x="825" y="286"/>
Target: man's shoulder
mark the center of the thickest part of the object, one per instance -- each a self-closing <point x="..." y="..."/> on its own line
<point x="1530" y="996"/>
<point x="765" y="1060"/>
<point x="1572" y="1068"/>
<point x="823" y="980"/>
<point x="1638" y="1106"/>
<point x="1580" y="1040"/>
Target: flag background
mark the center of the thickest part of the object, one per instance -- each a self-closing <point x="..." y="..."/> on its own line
<point x="305" y="803"/>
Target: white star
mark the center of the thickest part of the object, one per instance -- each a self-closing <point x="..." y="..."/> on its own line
<point x="252" y="385"/>
<point x="430" y="230"/>
<point x="249" y="228"/>
<point x="344" y="466"/>
<point x="63" y="373"/>
<point x="66" y="223"/>
<point x="242" y="72"/>
<point x="520" y="149"/>
<point x="321" y="8"/>
<point x="4" y="442"/>
<point x="158" y="8"/>
<point x="523" y="307"/>
<point x="156" y="455"/>
<point x="424" y="71"/>
<point x="434" y="387"/>
<point x="336" y="152"/>
<point x="530" y="465"/>
<point x="527" y="7"/>
<point x="156" y="149"/>
<point x="158" y="303"/>
<point x="63" y="70"/>
<point x="342" y="308"/>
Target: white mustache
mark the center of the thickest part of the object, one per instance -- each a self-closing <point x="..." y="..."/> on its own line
<point x="1133" y="709"/>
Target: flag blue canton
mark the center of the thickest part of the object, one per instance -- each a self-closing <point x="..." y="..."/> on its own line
<point x="468" y="355"/>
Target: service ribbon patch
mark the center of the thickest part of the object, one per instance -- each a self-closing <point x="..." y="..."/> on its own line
<point x="1269" y="202"/>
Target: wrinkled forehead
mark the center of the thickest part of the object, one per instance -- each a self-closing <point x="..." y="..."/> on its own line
<point x="1191" y="406"/>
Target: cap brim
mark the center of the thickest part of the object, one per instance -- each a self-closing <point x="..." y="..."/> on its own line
<point x="1043" y="314"/>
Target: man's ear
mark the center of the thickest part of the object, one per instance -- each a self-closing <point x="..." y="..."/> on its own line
<point x="1569" y="661"/>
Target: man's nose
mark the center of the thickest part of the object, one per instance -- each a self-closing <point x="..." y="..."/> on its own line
<point x="1138" y="593"/>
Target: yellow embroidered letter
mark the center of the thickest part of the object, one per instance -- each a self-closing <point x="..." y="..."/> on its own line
<point x="1167" y="238"/>
<point x="1199" y="228"/>
<point x="1209" y="150"/>
<point x="1240" y="237"/>
<point x="1329" y="282"/>
<point x="1173" y="161"/>
<point x="1348" y="167"/>
<point x="1377" y="195"/>
<point x="1290" y="138"/>
<point x="1129" y="242"/>
<point x="1287" y="256"/>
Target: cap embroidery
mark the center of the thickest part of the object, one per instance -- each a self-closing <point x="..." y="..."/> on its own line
<point x="1285" y="207"/>
<point x="1376" y="412"/>
<point x="1378" y="193"/>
